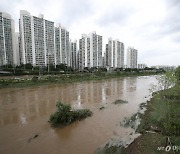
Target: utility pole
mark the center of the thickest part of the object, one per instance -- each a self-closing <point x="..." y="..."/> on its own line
<point x="14" y="68"/>
<point x="39" y="60"/>
<point x="25" y="55"/>
<point x="48" y="63"/>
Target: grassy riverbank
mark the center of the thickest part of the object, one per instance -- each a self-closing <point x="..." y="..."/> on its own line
<point x="65" y="78"/>
<point x="159" y="127"/>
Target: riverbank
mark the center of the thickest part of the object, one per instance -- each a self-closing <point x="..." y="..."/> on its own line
<point x="159" y="126"/>
<point x="28" y="81"/>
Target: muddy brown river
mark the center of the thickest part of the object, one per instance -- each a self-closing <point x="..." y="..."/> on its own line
<point x="24" y="114"/>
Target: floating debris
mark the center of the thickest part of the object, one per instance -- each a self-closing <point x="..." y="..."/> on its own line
<point x="102" y="108"/>
<point x="30" y="139"/>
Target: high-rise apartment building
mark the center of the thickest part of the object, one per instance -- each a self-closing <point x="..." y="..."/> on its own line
<point x="114" y="54"/>
<point x="7" y="39"/>
<point x="90" y="51"/>
<point x="120" y="54"/>
<point x="37" y="40"/>
<point x="84" y="55"/>
<point x="17" y="54"/>
<point x="95" y="50"/>
<point x="132" y="57"/>
<point x="62" y="45"/>
<point x="49" y="43"/>
<point x="74" y="55"/>
<point x="25" y="32"/>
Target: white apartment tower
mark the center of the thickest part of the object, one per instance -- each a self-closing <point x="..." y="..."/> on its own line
<point x="7" y="39"/>
<point x="74" y="55"/>
<point x="131" y="57"/>
<point x="17" y="56"/>
<point x="84" y="55"/>
<point x="90" y="51"/>
<point x="95" y="50"/>
<point x="49" y="43"/>
<point x="62" y="45"/>
<point x="37" y="40"/>
<point x="120" y="54"/>
<point x="25" y="32"/>
<point x="114" y="54"/>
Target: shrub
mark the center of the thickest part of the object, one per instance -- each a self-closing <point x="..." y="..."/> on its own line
<point x="65" y="115"/>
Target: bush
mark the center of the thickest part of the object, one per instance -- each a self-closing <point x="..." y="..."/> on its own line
<point x="65" y="115"/>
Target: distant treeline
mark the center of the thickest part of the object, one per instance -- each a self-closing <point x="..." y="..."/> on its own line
<point x="28" y="69"/>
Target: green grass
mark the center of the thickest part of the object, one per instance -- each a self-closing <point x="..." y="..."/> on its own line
<point x="64" y="115"/>
<point x="163" y="112"/>
<point x="161" y="120"/>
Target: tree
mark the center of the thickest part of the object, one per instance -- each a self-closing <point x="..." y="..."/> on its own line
<point x="127" y="70"/>
<point x="86" y="69"/>
<point x="166" y="80"/>
<point x="28" y="66"/>
<point x="177" y="73"/>
<point x="61" y="67"/>
<point x="51" y="67"/>
<point x="7" y="66"/>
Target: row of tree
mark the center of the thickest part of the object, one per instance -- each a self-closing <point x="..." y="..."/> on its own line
<point x="64" y="68"/>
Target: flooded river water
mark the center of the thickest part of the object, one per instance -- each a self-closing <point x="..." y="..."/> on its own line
<point x="24" y="114"/>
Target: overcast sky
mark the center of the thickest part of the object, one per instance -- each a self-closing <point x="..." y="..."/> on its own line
<point x="151" y="26"/>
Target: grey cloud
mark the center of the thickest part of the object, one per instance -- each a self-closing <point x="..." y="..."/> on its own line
<point x="170" y="27"/>
<point x="173" y="3"/>
<point x="166" y="28"/>
<point x="152" y="52"/>
<point x="9" y="6"/>
<point x="177" y="38"/>
<point x="171" y="24"/>
<point x="76" y="10"/>
<point x="117" y="15"/>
